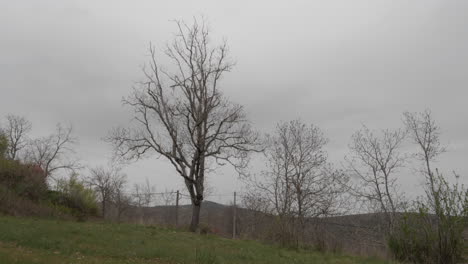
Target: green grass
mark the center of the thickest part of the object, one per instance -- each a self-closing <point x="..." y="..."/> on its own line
<point x="26" y="240"/>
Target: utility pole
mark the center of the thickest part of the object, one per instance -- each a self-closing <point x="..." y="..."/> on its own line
<point x="177" y="209"/>
<point x="234" y="218"/>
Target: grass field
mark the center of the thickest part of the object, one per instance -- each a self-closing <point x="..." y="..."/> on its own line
<point x="26" y="240"/>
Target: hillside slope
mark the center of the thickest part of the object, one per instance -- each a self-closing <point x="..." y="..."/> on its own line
<point x="353" y="234"/>
<point x="27" y="241"/>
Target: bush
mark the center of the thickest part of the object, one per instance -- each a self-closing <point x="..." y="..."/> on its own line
<point x="73" y="194"/>
<point x="12" y="204"/>
<point x="24" y="191"/>
<point x="433" y="236"/>
<point x="25" y="180"/>
<point x="414" y="238"/>
<point x="3" y="144"/>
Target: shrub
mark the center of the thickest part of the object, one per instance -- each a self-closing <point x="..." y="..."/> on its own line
<point x="73" y="194"/>
<point x="413" y="238"/>
<point x="25" y="180"/>
<point x="3" y="144"/>
<point x="433" y="234"/>
<point x="12" y="204"/>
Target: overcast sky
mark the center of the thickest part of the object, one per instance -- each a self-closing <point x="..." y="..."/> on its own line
<point x="334" y="63"/>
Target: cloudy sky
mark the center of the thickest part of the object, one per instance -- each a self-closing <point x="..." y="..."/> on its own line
<point x="337" y="64"/>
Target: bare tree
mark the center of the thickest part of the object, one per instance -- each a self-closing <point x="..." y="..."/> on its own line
<point x="374" y="162"/>
<point x="168" y="197"/>
<point x="137" y="195"/>
<point x="54" y="152"/>
<point x="433" y="231"/>
<point x="105" y="181"/>
<point x="143" y="193"/>
<point x="120" y="199"/>
<point x="425" y="133"/>
<point x="183" y="116"/>
<point x="298" y="181"/>
<point x="16" y="130"/>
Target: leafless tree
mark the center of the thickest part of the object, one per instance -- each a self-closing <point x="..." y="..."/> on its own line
<point x="168" y="197"/>
<point x="120" y="199"/>
<point x="442" y="213"/>
<point x="374" y="161"/>
<point x="105" y="181"/>
<point x="183" y="116"/>
<point x="143" y="193"/>
<point x="54" y="152"/>
<point x="298" y="182"/>
<point x="425" y="133"/>
<point x="137" y="195"/>
<point x="16" y="129"/>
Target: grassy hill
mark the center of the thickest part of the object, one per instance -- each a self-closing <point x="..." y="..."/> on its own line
<point x="27" y="240"/>
<point x="353" y="234"/>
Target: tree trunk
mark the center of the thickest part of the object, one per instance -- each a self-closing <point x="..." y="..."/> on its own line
<point x="196" y="206"/>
